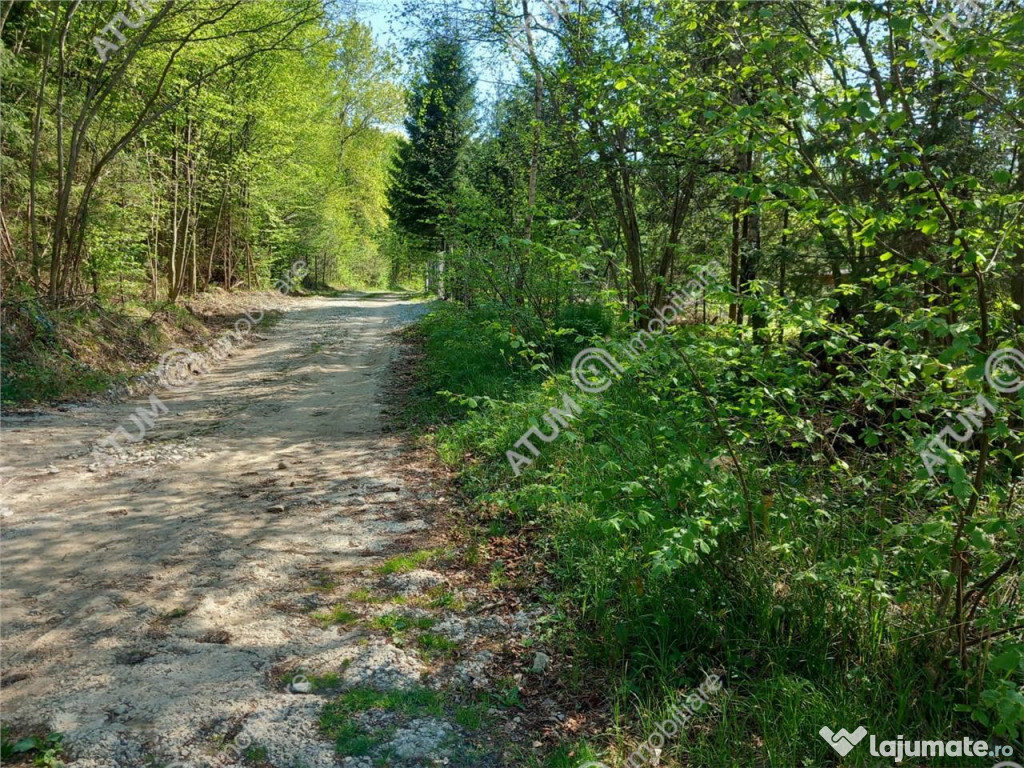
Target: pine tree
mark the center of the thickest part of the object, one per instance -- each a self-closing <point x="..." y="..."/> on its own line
<point x="425" y="178"/>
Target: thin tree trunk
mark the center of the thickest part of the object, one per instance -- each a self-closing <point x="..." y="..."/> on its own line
<point x="735" y="311"/>
<point x="37" y="132"/>
<point x="65" y="176"/>
<point x="1017" y="277"/>
<point x="216" y="232"/>
<point x="172" y="275"/>
<point x="751" y="253"/>
<point x="783" y="258"/>
<point x="680" y="209"/>
<point x="531" y="193"/>
<point x="620" y="185"/>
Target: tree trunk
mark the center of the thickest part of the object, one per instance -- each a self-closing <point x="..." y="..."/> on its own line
<point x="680" y="209"/>
<point x="735" y="310"/>
<point x="1017" y="277"/>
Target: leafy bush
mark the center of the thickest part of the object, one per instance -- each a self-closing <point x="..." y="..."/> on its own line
<point x="42" y="751"/>
<point x="474" y="357"/>
<point x="825" y="612"/>
<point x="581" y="320"/>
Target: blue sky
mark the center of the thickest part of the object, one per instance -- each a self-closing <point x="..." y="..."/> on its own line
<point x="383" y="16"/>
<point x="379" y="15"/>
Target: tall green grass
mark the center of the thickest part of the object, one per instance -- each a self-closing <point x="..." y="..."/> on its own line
<point x="826" y="620"/>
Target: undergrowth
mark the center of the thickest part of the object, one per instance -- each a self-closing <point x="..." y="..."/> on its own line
<point x="67" y="354"/>
<point x="746" y="509"/>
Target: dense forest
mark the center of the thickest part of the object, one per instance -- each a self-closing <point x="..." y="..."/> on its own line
<point x="731" y="319"/>
<point x="153" y="151"/>
<point x="167" y="148"/>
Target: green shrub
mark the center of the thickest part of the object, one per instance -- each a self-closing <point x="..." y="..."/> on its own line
<point x="644" y="519"/>
<point x="577" y="323"/>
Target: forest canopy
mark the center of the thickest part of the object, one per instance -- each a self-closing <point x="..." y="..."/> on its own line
<point x="168" y="147"/>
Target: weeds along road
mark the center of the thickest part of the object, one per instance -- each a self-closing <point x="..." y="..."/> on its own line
<point x="153" y="609"/>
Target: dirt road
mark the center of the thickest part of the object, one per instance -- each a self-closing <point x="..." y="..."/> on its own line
<point x="154" y="610"/>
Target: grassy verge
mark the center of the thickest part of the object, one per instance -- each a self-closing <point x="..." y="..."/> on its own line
<point x="68" y="354"/>
<point x="714" y="511"/>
